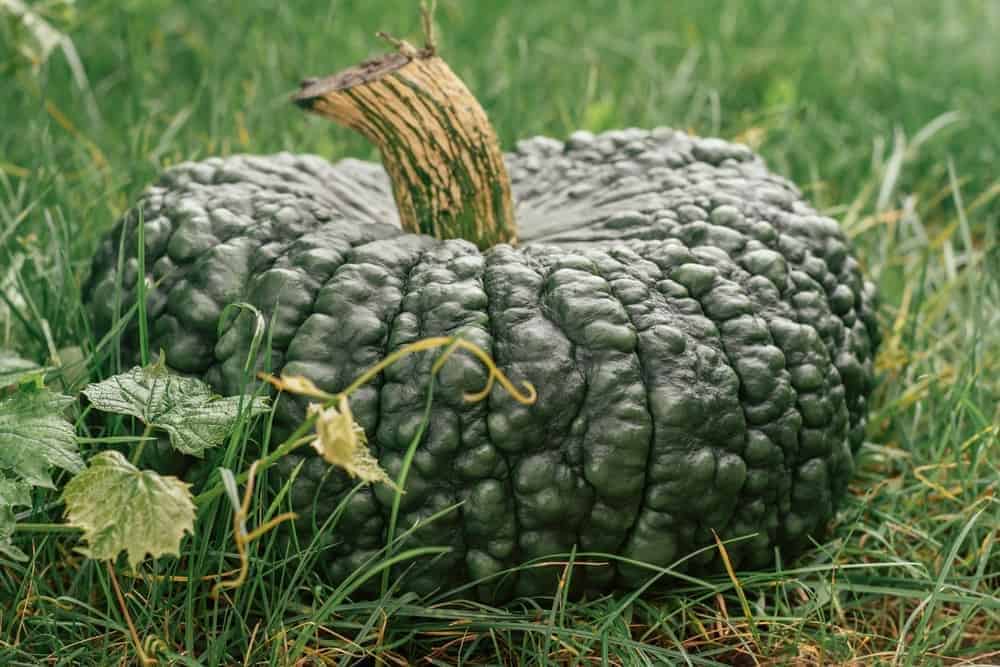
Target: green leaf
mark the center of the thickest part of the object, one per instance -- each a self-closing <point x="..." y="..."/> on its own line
<point x="121" y="508"/>
<point x="14" y="369"/>
<point x="13" y="493"/>
<point x="34" y="436"/>
<point x="186" y="408"/>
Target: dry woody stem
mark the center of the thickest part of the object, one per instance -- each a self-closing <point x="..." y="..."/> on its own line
<point x="442" y="155"/>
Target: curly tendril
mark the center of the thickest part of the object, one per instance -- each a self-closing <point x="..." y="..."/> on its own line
<point x="305" y="387"/>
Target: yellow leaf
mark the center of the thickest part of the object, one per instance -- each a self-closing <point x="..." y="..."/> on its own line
<point x="341" y="441"/>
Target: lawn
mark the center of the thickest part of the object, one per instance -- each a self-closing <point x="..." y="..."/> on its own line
<point x="886" y="114"/>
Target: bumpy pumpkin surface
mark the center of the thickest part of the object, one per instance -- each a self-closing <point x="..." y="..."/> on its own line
<point x="700" y="338"/>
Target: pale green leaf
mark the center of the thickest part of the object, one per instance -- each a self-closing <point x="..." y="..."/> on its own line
<point x="341" y="441"/>
<point x="14" y="369"/>
<point x="35" y="437"/>
<point x="186" y="408"/>
<point x="121" y="508"/>
<point x="13" y="493"/>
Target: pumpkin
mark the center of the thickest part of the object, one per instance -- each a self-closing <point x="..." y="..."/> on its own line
<point x="701" y="339"/>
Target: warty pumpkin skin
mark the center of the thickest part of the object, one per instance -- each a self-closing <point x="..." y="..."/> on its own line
<point x="700" y="338"/>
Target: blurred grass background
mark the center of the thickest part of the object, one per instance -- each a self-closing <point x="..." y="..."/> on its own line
<point x="821" y="88"/>
<point x="886" y="114"/>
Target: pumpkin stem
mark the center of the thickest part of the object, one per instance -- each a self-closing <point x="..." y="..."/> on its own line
<point x="442" y="155"/>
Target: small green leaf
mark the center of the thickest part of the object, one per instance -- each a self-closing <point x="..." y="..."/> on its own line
<point x="121" y="508"/>
<point x="13" y="493"/>
<point x="186" y="408"/>
<point x="34" y="436"/>
<point x="14" y="369"/>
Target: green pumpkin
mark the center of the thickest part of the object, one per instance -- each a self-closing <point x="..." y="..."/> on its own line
<point x="700" y="338"/>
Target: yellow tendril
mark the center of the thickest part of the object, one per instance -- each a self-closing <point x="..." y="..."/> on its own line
<point x="243" y="538"/>
<point x="303" y="386"/>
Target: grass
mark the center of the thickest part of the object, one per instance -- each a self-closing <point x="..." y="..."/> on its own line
<point x="887" y="114"/>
